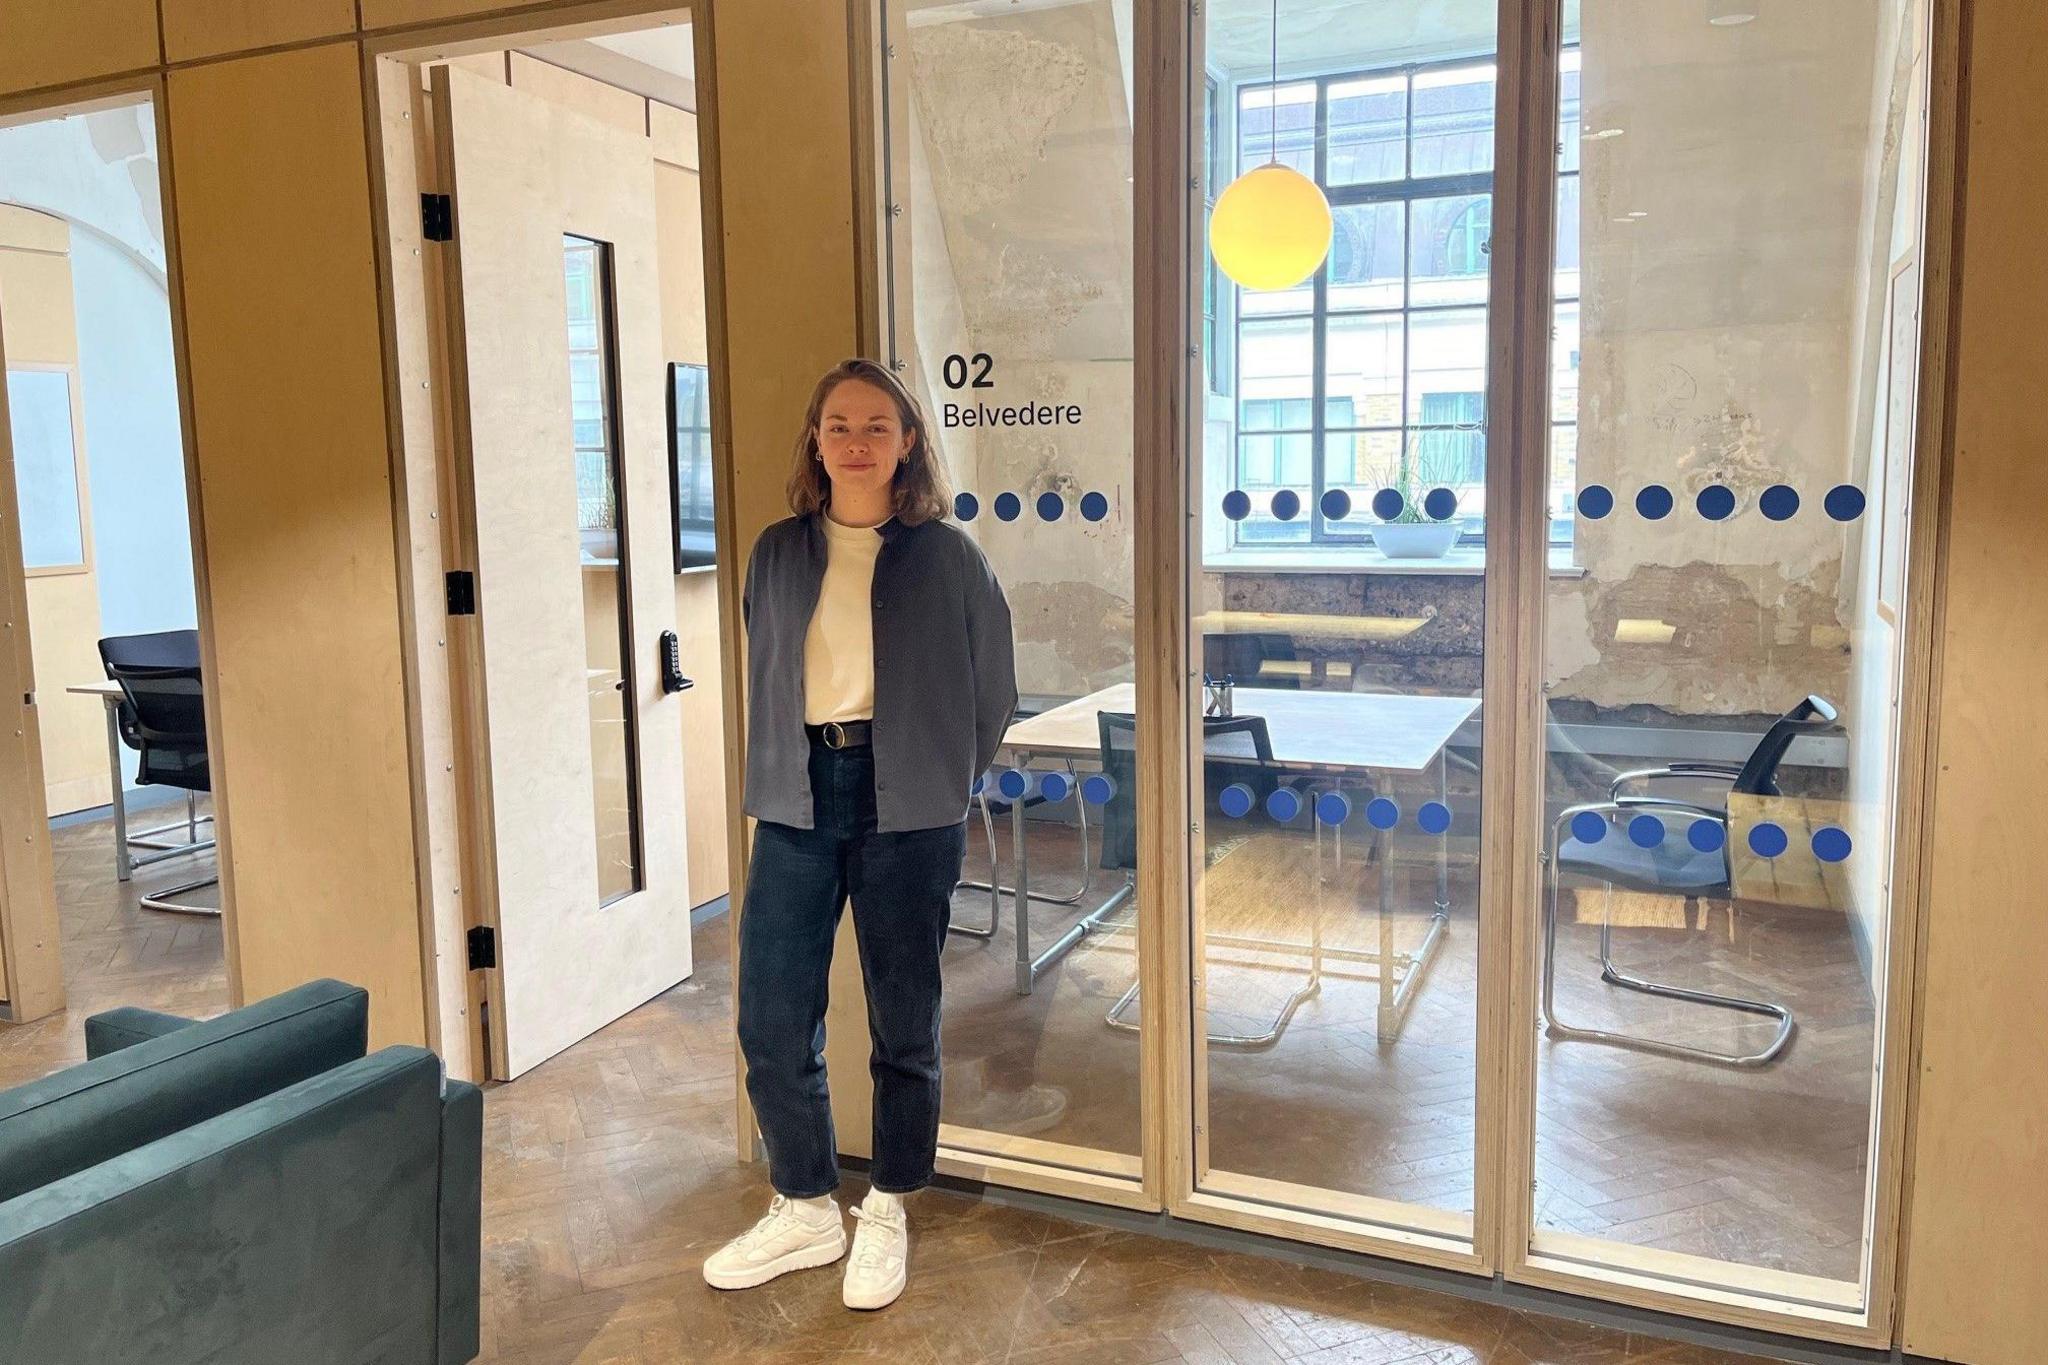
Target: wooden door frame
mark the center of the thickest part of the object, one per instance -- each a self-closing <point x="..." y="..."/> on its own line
<point x="423" y="390"/>
<point x="28" y="913"/>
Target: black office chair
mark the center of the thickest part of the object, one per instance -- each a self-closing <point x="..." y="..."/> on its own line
<point x="162" y="717"/>
<point x="1675" y="866"/>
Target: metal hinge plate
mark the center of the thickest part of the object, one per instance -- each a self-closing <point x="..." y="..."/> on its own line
<point x="483" y="948"/>
<point x="461" y="592"/>
<point x="437" y="217"/>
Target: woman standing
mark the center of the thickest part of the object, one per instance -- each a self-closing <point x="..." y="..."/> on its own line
<point x="880" y="682"/>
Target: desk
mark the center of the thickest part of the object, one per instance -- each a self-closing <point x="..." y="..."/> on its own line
<point x="1332" y="733"/>
<point x="125" y="858"/>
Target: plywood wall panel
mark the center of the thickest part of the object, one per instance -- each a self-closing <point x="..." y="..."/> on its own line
<point x="52" y="42"/>
<point x="1977" y="1235"/>
<point x="285" y="373"/>
<point x="211" y="28"/>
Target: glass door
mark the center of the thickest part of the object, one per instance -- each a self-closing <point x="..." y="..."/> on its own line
<point x="1339" y="565"/>
<point x="1733" y="374"/>
<point x="1006" y="177"/>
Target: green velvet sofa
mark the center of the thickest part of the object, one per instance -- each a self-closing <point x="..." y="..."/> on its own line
<point x="248" y="1190"/>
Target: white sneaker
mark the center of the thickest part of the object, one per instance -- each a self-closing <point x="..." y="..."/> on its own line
<point x="791" y="1237"/>
<point x="880" y="1264"/>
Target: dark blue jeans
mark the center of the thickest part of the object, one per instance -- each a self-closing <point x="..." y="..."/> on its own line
<point x="901" y="885"/>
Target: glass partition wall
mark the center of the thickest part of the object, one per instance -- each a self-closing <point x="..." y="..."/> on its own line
<point x="1624" y="1036"/>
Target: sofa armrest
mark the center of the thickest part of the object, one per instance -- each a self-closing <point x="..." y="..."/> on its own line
<point x="460" y="1307"/>
<point x="127" y="1026"/>
<point x="297" y="1227"/>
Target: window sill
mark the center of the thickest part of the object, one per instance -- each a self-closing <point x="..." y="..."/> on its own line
<point x="1465" y="561"/>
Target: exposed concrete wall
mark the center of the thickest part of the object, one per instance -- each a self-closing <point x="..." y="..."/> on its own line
<point x="1023" y="127"/>
<point x="1719" y="339"/>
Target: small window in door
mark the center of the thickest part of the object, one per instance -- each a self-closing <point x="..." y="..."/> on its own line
<point x="601" y="526"/>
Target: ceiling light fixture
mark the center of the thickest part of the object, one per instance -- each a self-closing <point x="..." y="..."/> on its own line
<point x="1271" y="228"/>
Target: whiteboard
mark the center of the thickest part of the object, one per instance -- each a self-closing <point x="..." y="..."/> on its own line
<point x="45" y="469"/>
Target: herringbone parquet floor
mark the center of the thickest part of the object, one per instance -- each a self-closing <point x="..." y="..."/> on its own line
<point x="610" y="1174"/>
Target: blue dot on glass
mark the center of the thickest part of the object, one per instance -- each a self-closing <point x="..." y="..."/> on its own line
<point x="1050" y="506"/>
<point x="1283" y="804"/>
<point x="1009" y="506"/>
<point x="1434" y="817"/>
<point x="1098" y="788"/>
<point x="980" y="784"/>
<point x="1779" y="502"/>
<point x="1055" y="786"/>
<point x="1381" y="813"/>
<point x="1333" y="808"/>
<point x="1287" y="504"/>
<point x="1336" y="504"/>
<point x="1595" y="501"/>
<point x="1014" y="783"/>
<point x="1237" y="504"/>
<point x="1830" y="845"/>
<point x="1094" y="506"/>
<point x="1646" y="831"/>
<point x="1706" y="835"/>
<point x="1387" y="504"/>
<point x="1716" y="502"/>
<point x="1654" y="502"/>
<point x="1767" y="840"/>
<point x="1844" y="502"/>
<point x="1588" y="827"/>
<point x="966" y="506"/>
<point x="1236" y="800"/>
<point x="1441" y="504"/>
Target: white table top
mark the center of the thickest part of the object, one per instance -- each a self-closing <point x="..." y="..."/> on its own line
<point x="1384" y="731"/>
<point x="103" y="690"/>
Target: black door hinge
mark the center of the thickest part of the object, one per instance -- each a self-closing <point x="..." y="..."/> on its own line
<point x="437" y="217"/>
<point x="483" y="947"/>
<point x="461" y="592"/>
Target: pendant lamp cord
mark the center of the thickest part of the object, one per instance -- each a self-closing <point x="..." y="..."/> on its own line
<point x="1273" y="103"/>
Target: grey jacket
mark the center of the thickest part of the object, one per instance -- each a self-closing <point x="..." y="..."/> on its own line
<point x="945" y="675"/>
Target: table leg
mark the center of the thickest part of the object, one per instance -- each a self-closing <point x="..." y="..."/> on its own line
<point x="123" y="868"/>
<point x="1021" y="897"/>
<point x="1443" y="841"/>
<point x="1389" y="1021"/>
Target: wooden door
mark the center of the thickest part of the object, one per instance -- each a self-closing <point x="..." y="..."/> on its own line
<point x="582" y="796"/>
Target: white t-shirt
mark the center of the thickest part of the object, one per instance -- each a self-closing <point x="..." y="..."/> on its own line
<point x="839" y="647"/>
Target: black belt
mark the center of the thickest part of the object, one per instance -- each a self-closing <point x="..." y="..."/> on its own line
<point x="841" y="734"/>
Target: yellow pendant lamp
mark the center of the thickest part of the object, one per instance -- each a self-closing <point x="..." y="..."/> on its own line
<point x="1271" y="226"/>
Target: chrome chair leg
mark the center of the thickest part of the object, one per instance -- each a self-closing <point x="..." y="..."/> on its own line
<point x="161" y="900"/>
<point x="1613" y="975"/>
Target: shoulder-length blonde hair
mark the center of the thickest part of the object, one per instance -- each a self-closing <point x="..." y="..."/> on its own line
<point x="922" y="490"/>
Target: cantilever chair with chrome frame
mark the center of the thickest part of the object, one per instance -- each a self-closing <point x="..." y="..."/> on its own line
<point x="1673" y="867"/>
<point x="162" y="717"/>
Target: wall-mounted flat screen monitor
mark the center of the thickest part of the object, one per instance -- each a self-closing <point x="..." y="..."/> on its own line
<point x="689" y="441"/>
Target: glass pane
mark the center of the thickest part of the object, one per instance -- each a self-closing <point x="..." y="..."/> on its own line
<point x="1453" y="121"/>
<point x="1449" y="241"/>
<point x="1366" y="256"/>
<point x="1291" y="140"/>
<point x="1334" y="867"/>
<point x="1276" y="373"/>
<point x="1362" y="366"/>
<point x="1368" y="126"/>
<point x="1010" y="147"/>
<point x="593" y="399"/>
<point x="1447" y="365"/>
<point x="1734" y="364"/>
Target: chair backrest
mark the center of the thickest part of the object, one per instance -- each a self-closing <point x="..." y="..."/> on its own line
<point x="163" y="711"/>
<point x="1239" y="742"/>
<point x="1759" y="775"/>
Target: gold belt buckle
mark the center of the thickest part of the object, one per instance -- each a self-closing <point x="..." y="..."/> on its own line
<point x="835" y="735"/>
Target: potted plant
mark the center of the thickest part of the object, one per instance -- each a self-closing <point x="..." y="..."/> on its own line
<point x="1413" y="533"/>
